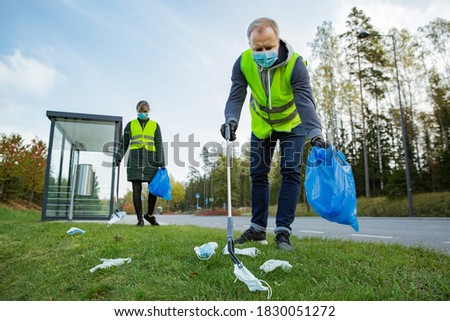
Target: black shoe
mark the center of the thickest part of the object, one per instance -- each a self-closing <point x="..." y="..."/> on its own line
<point x="251" y="235"/>
<point x="283" y="242"/>
<point x="151" y="219"/>
<point x="140" y="223"/>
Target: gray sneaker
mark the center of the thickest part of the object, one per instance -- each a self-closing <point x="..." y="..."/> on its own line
<point x="251" y="235"/>
<point x="283" y="242"/>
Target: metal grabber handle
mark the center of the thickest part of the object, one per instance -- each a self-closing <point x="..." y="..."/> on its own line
<point x="230" y="240"/>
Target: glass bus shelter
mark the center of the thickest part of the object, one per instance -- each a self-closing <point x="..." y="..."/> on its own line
<point x="80" y="178"/>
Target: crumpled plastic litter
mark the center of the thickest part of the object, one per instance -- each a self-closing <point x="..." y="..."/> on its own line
<point x="75" y="230"/>
<point x="271" y="265"/>
<point x="107" y="263"/>
<point x="249" y="251"/>
<point x="253" y="284"/>
<point x="205" y="251"/>
<point x="116" y="217"/>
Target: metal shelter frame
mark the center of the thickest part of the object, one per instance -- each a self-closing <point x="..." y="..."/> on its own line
<point x="79" y="179"/>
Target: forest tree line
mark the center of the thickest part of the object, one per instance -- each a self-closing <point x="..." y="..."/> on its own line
<point x="354" y="81"/>
<point x="353" y="77"/>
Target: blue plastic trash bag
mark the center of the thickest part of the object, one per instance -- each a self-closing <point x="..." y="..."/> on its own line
<point x="160" y="185"/>
<point x="330" y="186"/>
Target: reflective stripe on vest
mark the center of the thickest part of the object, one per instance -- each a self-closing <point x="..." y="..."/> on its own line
<point x="143" y="138"/>
<point x="276" y="111"/>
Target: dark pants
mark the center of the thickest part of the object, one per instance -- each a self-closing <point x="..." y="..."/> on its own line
<point x="137" y="200"/>
<point x="261" y="152"/>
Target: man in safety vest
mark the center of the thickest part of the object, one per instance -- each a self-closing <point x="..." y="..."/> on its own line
<point x="282" y="109"/>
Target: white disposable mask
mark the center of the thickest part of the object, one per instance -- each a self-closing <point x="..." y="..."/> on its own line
<point x="205" y="251"/>
<point x="249" y="251"/>
<point x="271" y="265"/>
<point x="116" y="217"/>
<point x="253" y="284"/>
<point x="110" y="262"/>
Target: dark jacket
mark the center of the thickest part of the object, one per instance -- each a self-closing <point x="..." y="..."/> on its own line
<point x="142" y="164"/>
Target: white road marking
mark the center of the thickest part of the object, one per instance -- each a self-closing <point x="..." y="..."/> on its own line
<point x="373" y="236"/>
<point x="447" y="242"/>
<point x="315" y="232"/>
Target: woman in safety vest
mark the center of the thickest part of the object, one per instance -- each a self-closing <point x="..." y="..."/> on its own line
<point x="282" y="108"/>
<point x="143" y="136"/>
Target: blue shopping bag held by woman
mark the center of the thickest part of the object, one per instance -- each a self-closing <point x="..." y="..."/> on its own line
<point x="330" y="186"/>
<point x="160" y="185"/>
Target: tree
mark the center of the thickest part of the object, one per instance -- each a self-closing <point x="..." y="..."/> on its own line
<point x="11" y="153"/>
<point x="440" y="95"/>
<point x="33" y="168"/>
<point x="325" y="83"/>
<point x="178" y="194"/>
<point x="435" y="44"/>
<point x="127" y="202"/>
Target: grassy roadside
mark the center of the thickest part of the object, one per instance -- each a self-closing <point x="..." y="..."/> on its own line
<point x="38" y="261"/>
<point x="425" y="205"/>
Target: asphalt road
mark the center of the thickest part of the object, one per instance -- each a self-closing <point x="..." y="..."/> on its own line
<point x="431" y="233"/>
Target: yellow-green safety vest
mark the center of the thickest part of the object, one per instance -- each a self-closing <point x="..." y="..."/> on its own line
<point x="143" y="138"/>
<point x="278" y="111"/>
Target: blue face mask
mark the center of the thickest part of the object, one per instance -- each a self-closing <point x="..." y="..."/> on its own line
<point x="265" y="59"/>
<point x="142" y="115"/>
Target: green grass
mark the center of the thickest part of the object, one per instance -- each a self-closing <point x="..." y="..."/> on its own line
<point x="39" y="261"/>
<point x="425" y="205"/>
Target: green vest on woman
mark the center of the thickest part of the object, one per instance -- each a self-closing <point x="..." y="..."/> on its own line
<point x="143" y="137"/>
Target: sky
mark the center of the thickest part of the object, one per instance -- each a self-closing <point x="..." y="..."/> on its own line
<point x="103" y="56"/>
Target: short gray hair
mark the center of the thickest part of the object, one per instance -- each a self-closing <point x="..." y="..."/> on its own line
<point x="262" y="23"/>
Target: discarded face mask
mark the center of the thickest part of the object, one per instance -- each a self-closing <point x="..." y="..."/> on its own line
<point x="110" y="262"/>
<point x="249" y="251"/>
<point x="205" y="251"/>
<point x="253" y="284"/>
<point x="271" y="265"/>
<point x="116" y="217"/>
<point x="75" y="230"/>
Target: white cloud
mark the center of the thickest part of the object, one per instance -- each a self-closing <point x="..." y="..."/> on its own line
<point x="20" y="75"/>
<point x="388" y="14"/>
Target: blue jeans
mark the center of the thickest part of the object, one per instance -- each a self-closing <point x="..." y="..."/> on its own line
<point x="261" y="152"/>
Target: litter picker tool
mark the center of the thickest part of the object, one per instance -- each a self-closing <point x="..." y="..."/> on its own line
<point x="117" y="215"/>
<point x="241" y="272"/>
<point x="230" y="239"/>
